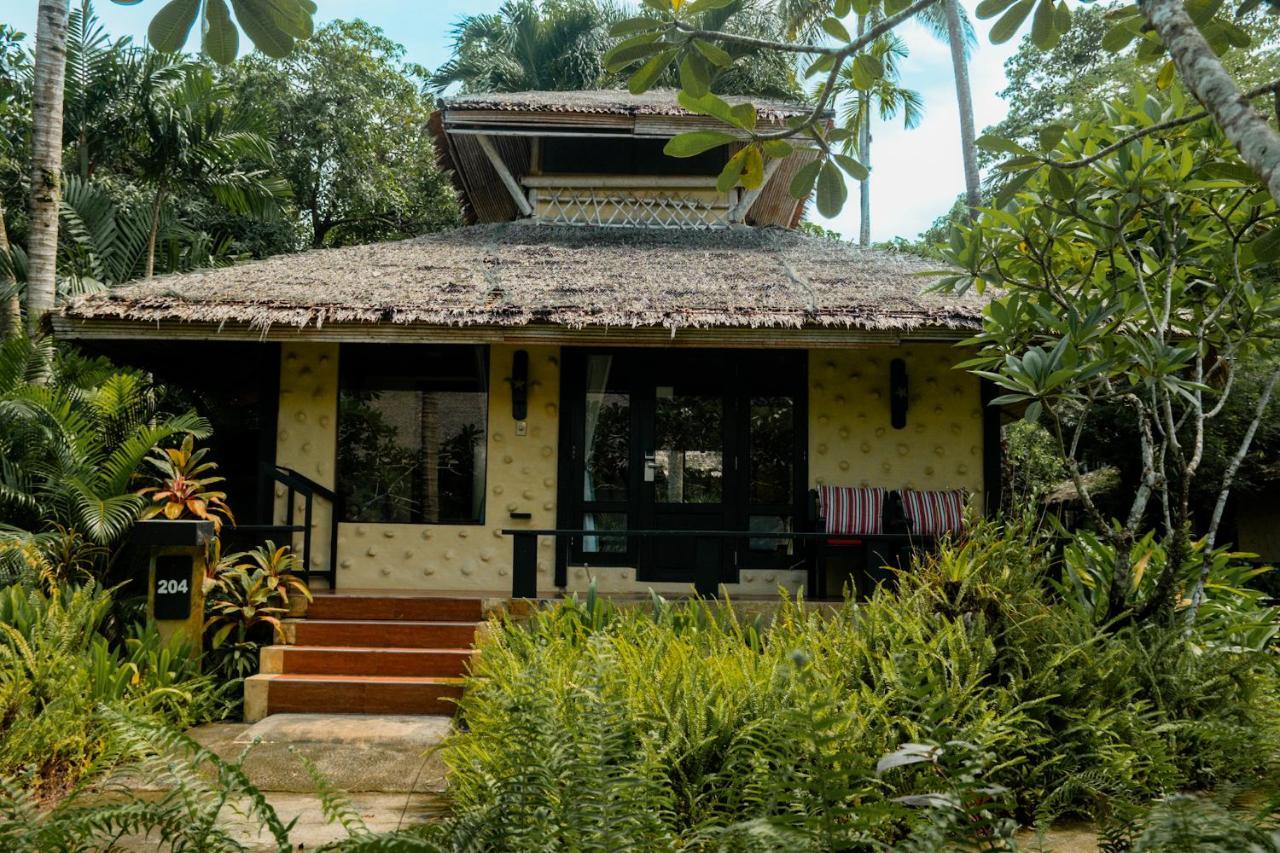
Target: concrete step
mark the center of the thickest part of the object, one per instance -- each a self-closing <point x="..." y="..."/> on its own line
<point x="363" y="660"/>
<point x="371" y="606"/>
<point x="380" y="634"/>
<point x="348" y="694"/>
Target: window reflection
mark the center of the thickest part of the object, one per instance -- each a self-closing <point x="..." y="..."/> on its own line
<point x="688" y="447"/>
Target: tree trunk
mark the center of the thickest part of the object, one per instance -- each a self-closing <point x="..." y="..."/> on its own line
<point x="1202" y="72"/>
<point x="11" y="305"/>
<point x="964" y="100"/>
<point x="864" y="185"/>
<point x="46" y="159"/>
<point x="156" y="205"/>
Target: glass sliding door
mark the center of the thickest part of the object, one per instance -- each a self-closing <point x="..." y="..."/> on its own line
<point x="680" y="440"/>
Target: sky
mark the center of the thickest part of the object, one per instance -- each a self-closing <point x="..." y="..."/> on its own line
<point x="916" y="174"/>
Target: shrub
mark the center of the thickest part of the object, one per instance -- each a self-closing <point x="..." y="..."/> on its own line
<point x="58" y="669"/>
<point x="683" y="723"/>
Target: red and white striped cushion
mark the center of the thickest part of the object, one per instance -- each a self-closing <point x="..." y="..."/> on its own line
<point x="934" y="513"/>
<point x="851" y="511"/>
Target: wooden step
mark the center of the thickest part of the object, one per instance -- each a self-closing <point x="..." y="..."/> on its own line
<point x="380" y="634"/>
<point x="413" y="608"/>
<point x="364" y="660"/>
<point x="348" y="694"/>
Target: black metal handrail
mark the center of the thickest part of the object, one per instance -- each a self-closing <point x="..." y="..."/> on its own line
<point x="524" y="550"/>
<point x="300" y="484"/>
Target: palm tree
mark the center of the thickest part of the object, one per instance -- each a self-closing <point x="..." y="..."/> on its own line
<point x="884" y="98"/>
<point x="527" y="45"/>
<point x="192" y="139"/>
<point x="46" y="159"/>
<point x="71" y="445"/>
<point x="946" y="21"/>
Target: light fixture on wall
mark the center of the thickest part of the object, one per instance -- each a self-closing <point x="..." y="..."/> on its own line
<point x="519" y="380"/>
<point x="898" y="393"/>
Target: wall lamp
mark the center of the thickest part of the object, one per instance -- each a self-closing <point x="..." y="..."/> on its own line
<point x="519" y="380"/>
<point x="898" y="393"/>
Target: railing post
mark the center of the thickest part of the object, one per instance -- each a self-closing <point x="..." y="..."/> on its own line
<point x="306" y="538"/>
<point x="524" y="565"/>
<point x="706" y="566"/>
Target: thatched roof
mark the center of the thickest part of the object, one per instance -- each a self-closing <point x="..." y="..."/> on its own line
<point x="513" y="274"/>
<point x="655" y="102"/>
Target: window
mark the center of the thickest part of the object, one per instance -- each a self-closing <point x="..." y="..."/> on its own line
<point x="412" y="423"/>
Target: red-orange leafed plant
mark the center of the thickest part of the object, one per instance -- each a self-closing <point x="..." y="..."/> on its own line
<point x="182" y="491"/>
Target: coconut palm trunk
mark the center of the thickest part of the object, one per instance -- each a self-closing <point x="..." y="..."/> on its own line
<point x="864" y="151"/>
<point x="46" y="159"/>
<point x="11" y="306"/>
<point x="964" y="100"/>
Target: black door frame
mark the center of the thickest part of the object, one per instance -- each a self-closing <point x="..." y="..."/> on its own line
<point x="738" y="368"/>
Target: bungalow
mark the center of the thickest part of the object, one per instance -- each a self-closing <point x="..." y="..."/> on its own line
<point x="612" y="352"/>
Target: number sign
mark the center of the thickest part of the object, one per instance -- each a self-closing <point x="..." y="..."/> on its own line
<point x="173" y="586"/>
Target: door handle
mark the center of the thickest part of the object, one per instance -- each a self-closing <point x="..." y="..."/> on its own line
<point x="650" y="467"/>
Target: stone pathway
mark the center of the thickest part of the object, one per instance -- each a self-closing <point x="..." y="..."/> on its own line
<point x="384" y="763"/>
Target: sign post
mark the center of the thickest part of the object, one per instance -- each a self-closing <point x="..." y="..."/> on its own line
<point x="177" y="553"/>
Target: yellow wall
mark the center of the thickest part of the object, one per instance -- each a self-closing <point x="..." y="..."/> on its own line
<point x="850" y="443"/>
<point x="306" y="433"/>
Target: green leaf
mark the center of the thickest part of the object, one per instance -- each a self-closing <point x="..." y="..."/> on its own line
<point x="777" y="148"/>
<point x="835" y="29"/>
<point x="1267" y="247"/>
<point x="832" y="191"/>
<point x="1118" y="37"/>
<point x="991" y="8"/>
<point x="635" y="25"/>
<point x="732" y="171"/>
<point x="1011" y="21"/>
<point x="695" y="142"/>
<point x="1050" y="135"/>
<point x="1044" y="30"/>
<point x="260" y="26"/>
<point x="626" y="52"/>
<point x="821" y="64"/>
<point x="865" y="71"/>
<point x="694" y="75"/>
<point x="999" y="144"/>
<point x="753" y="168"/>
<point x="714" y="54"/>
<point x="803" y="181"/>
<point x="842" y="8"/>
<point x="697" y="7"/>
<point x="856" y="170"/>
<point x="171" y="26"/>
<point x="221" y="39"/>
<point x="649" y="73"/>
<point x="744" y="115"/>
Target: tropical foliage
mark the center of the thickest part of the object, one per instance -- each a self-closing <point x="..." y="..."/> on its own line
<point x="74" y="433"/>
<point x="690" y="725"/>
<point x="1133" y="288"/>
<point x="66" y="660"/>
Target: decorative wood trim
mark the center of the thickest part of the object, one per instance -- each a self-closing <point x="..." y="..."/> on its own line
<point x="508" y="180"/>
<point x="620" y="181"/>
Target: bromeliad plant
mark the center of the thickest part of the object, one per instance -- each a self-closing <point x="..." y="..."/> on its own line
<point x="247" y="597"/>
<point x="182" y="491"/>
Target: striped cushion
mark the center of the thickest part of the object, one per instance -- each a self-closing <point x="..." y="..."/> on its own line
<point x="934" y="513"/>
<point x="852" y="511"/>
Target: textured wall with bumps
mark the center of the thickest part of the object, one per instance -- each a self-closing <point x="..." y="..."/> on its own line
<point x="306" y="437"/>
<point x="851" y="442"/>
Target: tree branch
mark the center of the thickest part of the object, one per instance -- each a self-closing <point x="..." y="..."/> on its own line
<point x="1201" y="70"/>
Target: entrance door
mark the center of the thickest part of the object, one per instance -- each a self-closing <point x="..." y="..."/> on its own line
<point x="682" y="440"/>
